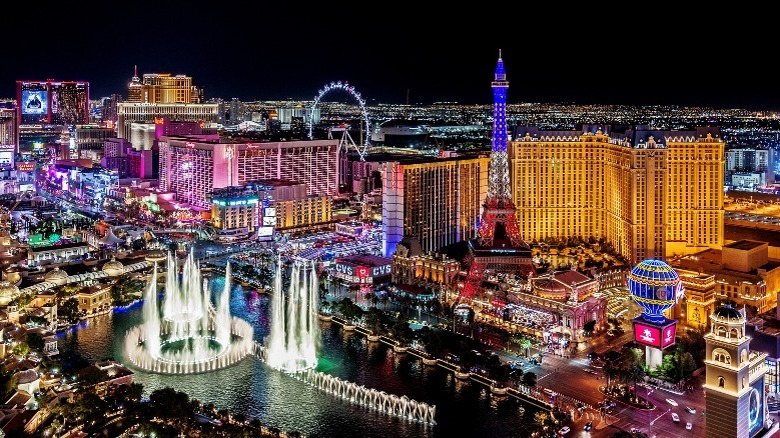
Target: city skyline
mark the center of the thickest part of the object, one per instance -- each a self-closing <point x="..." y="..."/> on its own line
<point x="287" y="54"/>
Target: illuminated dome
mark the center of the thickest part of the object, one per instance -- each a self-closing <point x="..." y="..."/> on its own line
<point x="156" y="255"/>
<point x="551" y="289"/>
<point x="655" y="286"/>
<point x="8" y="291"/>
<point x="114" y="268"/>
<point x="13" y="274"/>
<point x="728" y="314"/>
<point x="56" y="276"/>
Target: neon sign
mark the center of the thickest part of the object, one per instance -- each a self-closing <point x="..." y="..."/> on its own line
<point x="647" y="335"/>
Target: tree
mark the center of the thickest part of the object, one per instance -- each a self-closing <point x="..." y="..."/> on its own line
<point x="634" y="373"/>
<point x="678" y="365"/>
<point x="589" y="326"/>
<point x="69" y="310"/>
<point x="34" y="341"/>
<point x="21" y="349"/>
<point x="401" y="331"/>
<point x="529" y="379"/>
<point x="37" y="321"/>
<point x="349" y="310"/>
<point x="92" y="376"/>
<point x="373" y="320"/>
<point x="430" y="340"/>
<point x="610" y="371"/>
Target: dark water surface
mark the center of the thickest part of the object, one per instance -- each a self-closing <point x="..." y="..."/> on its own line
<point x="463" y="409"/>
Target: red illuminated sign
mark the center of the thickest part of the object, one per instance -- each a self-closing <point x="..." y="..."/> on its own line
<point x="362" y="272"/>
<point x="668" y="337"/>
<point x="655" y="336"/>
<point x="647" y="335"/>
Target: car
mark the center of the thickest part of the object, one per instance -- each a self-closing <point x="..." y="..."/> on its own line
<point x="671" y="401"/>
<point x="588" y="425"/>
<point x="675" y="417"/>
<point x="690" y="410"/>
<point x="688" y="426"/>
<point x="564" y="430"/>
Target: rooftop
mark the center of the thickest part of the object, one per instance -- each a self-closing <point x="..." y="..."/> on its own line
<point x="744" y="245"/>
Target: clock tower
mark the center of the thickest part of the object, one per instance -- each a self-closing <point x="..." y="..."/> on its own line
<point x="734" y="388"/>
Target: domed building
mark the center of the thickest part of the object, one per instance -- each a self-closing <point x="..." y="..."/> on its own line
<point x="14" y="274"/>
<point x="559" y="304"/>
<point x="114" y="268"/>
<point x="56" y="276"/>
<point x="8" y="292"/>
<point x="156" y="255"/>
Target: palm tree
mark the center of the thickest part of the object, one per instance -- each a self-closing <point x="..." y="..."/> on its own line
<point x="610" y="372"/>
<point x="634" y="373"/>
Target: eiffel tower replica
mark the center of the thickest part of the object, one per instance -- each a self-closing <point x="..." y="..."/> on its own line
<point x="498" y="247"/>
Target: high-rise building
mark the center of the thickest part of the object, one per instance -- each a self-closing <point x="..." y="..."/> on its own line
<point x="161" y="96"/>
<point x="90" y="141"/>
<point x="8" y="148"/>
<point x="53" y="102"/>
<point x="130" y="114"/>
<point x="750" y="168"/>
<point x="162" y="88"/>
<point x="436" y="201"/>
<point x="193" y="166"/>
<point x="650" y="193"/>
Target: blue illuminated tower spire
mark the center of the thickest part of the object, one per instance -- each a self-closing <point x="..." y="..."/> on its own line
<point x="499" y="169"/>
<point x="498" y="216"/>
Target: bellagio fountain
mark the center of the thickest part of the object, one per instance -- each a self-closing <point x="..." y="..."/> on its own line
<point x="186" y="332"/>
<point x="294" y="336"/>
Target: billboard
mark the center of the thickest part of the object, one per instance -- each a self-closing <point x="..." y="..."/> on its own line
<point x="34" y="102"/>
<point x="265" y="233"/>
<point x="756" y="408"/>
<point x="668" y="336"/>
<point x="647" y="335"/>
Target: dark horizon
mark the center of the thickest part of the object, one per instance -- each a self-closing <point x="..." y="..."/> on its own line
<point x="291" y="55"/>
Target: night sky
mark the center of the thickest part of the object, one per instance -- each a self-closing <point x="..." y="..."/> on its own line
<point x="398" y="54"/>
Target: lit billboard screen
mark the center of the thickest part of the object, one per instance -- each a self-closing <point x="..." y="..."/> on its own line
<point x="34" y="102"/>
<point x="756" y="408"/>
<point x="668" y="337"/>
<point x="265" y="233"/>
<point x="6" y="159"/>
<point x="269" y="221"/>
<point x="647" y="335"/>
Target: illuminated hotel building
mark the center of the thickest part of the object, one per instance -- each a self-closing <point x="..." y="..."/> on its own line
<point x="7" y="136"/>
<point x="162" y="96"/>
<point x="193" y="166"/>
<point x="436" y="201"/>
<point x="163" y="88"/>
<point x="90" y="139"/>
<point x="146" y="113"/>
<point x="651" y="193"/>
<point x="53" y="102"/>
<point x="234" y="209"/>
<point x="740" y="273"/>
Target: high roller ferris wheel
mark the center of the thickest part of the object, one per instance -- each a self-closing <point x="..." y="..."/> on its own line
<point x="346" y="140"/>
